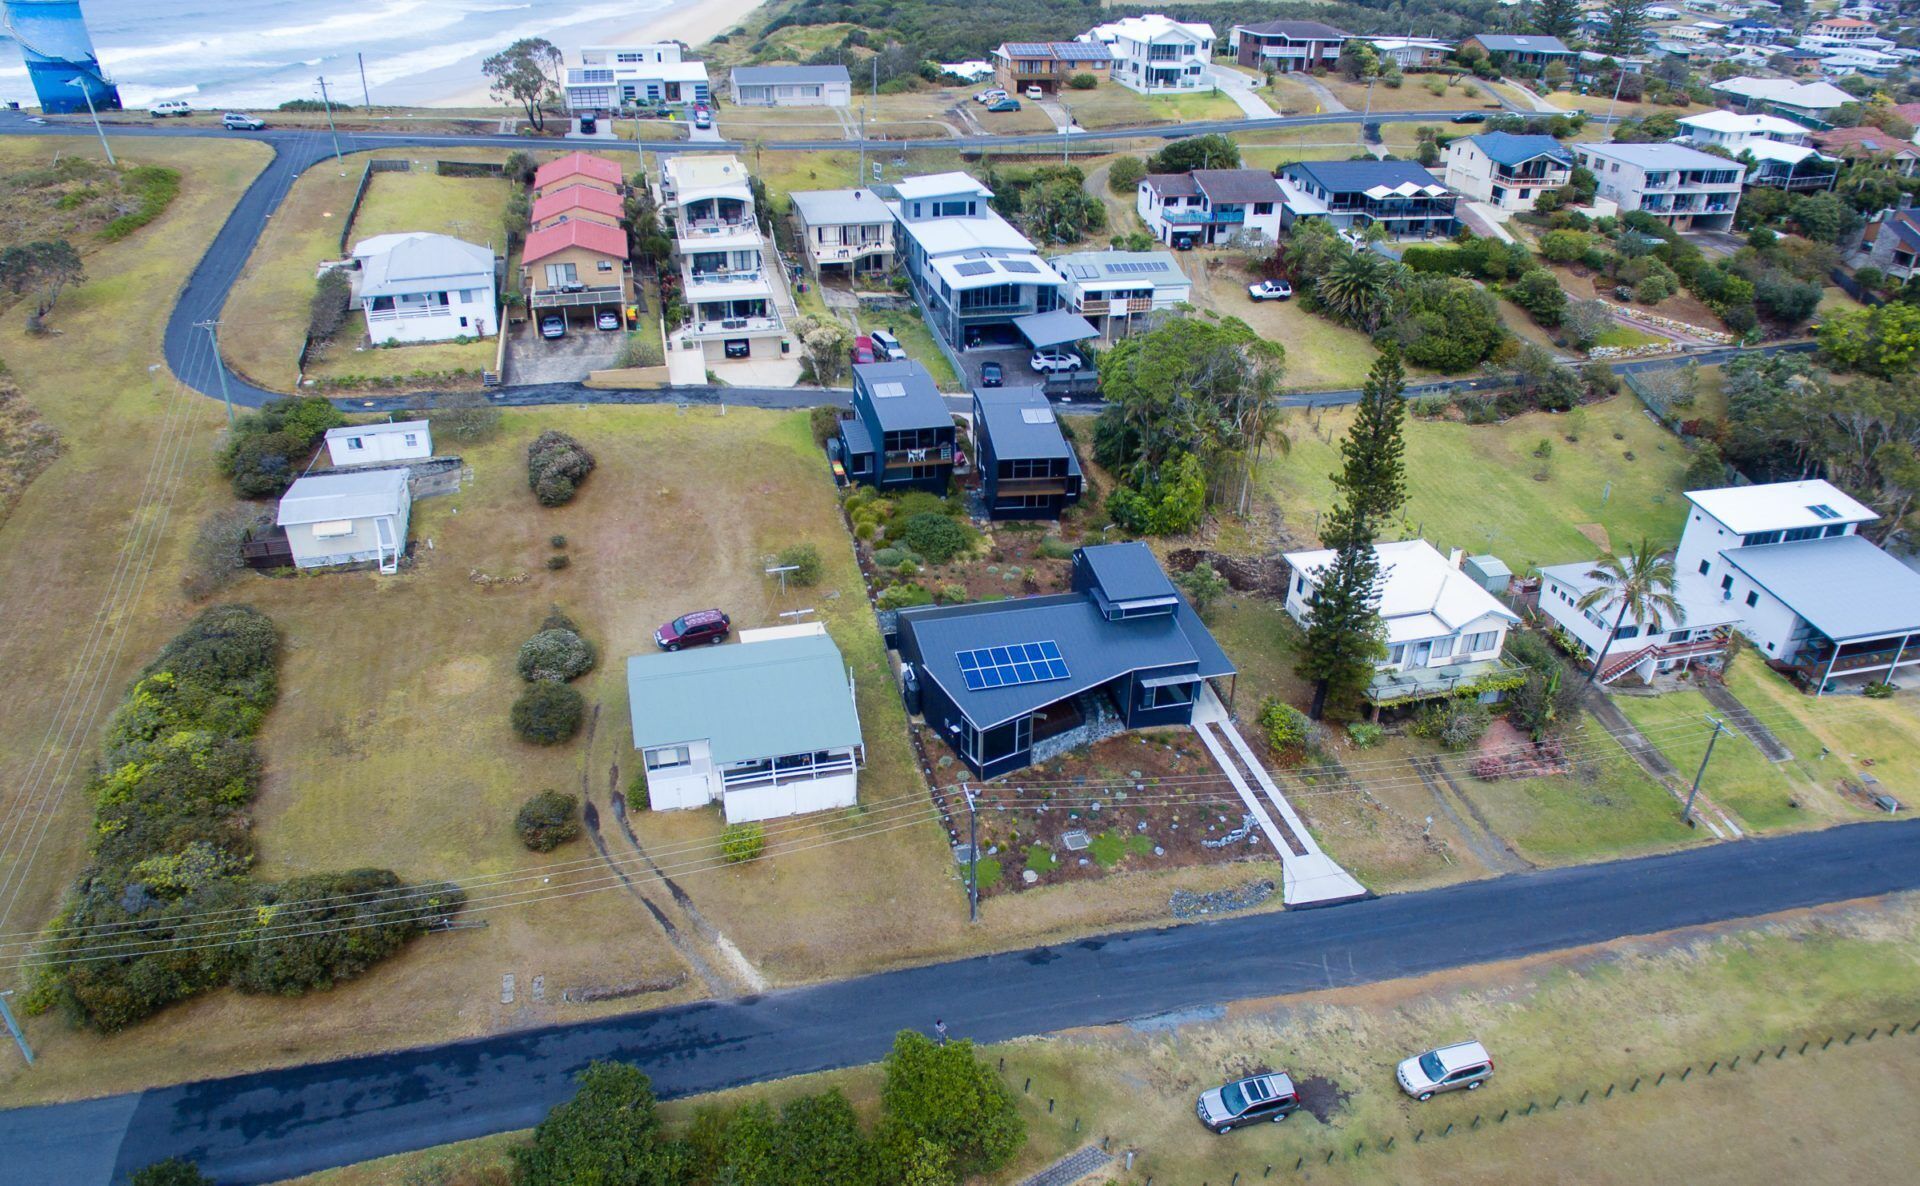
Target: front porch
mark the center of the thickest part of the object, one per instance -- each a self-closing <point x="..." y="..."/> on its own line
<point x="1491" y="677"/>
<point x="1822" y="667"/>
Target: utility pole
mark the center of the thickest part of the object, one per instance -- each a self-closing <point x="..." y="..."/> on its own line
<point x="213" y="336"/>
<point x="13" y="1027"/>
<point x="366" y="96"/>
<point x="973" y="855"/>
<point x="87" y="91"/>
<point x="1619" y="80"/>
<point x="1686" y="817"/>
<point x="328" y="102"/>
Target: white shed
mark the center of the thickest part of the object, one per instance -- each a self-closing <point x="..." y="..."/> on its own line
<point x="370" y="444"/>
<point x="347" y="518"/>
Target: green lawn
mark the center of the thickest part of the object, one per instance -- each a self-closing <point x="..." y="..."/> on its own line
<point x="467" y="208"/>
<point x="1626" y="337"/>
<point x="1473" y="487"/>
<point x="917" y="339"/>
<point x="1879" y="737"/>
<point x="1738" y="777"/>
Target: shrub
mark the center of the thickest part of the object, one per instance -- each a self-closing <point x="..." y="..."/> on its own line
<point x="1878" y="691"/>
<point x="1655" y="288"/>
<point x="152" y="188"/>
<point x="321" y="934"/>
<point x="330" y="305"/>
<point x="556" y="563"/>
<point x="1286" y="727"/>
<point x="462" y="416"/>
<point x="743" y="842"/>
<point x="903" y="595"/>
<point x="1203" y="587"/>
<point x="1365" y="734"/>
<point x="1563" y="247"/>
<point x="824" y="423"/>
<point x="1454" y="723"/>
<point x="952" y="594"/>
<point x="268" y="448"/>
<point x="1124" y="175"/>
<point x="951" y="1102"/>
<point x="556" y="655"/>
<point x="938" y="537"/>
<point x="889" y="557"/>
<point x="556" y="465"/>
<point x="213" y="560"/>
<point x="641" y="348"/>
<point x="1054" y="548"/>
<point x="174" y="1171"/>
<point x="805" y="561"/>
<point x="1082" y="81"/>
<point x="547" y="713"/>
<point x="608" y="1132"/>
<point x="548" y="820"/>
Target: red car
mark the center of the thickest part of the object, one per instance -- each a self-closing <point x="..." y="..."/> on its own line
<point x="707" y="625"/>
<point x="863" y="349"/>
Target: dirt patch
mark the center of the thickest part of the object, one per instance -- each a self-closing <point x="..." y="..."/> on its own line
<point x="1597" y="534"/>
<point x="1321" y="1097"/>
<point x="1506" y="752"/>
<point x="1245" y="574"/>
<point x="28" y="445"/>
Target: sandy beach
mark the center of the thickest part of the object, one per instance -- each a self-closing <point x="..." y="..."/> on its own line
<point x="695" y="22"/>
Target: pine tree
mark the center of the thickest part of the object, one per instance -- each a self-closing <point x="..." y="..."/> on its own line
<point x="1343" y="629"/>
<point x="1557" y="18"/>
<point x="1627" y="19"/>
<point x="1373" y="475"/>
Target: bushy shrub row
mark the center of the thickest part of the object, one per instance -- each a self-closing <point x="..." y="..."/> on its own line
<point x="164" y="908"/>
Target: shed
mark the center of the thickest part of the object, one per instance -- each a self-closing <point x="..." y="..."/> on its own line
<point x="1489" y="572"/>
<point x="372" y="444"/>
<point x="347" y="518"/>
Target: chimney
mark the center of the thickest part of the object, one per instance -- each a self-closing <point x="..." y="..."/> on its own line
<point x="1454" y="556"/>
<point x="1906" y="201"/>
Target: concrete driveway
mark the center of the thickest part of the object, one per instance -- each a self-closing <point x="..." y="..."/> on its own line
<point x="533" y="359"/>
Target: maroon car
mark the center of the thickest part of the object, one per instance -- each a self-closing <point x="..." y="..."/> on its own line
<point x="707" y="625"/>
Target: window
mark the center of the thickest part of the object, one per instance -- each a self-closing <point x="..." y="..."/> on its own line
<point x="1260" y="208"/>
<point x="605" y="265"/>
<point x="1442" y="647"/>
<point x="1677" y="636"/>
<point x="1706" y="566"/>
<point x="1299" y="582"/>
<point x="1486" y="640"/>
<point x="1628" y="632"/>
<point x="355" y="444"/>
<point x="1396" y="653"/>
<point x="1753" y="599"/>
<point x="668" y="757"/>
<point x="412" y="439"/>
<point x="1726" y="582"/>
<point x="333" y="529"/>
<point x="558" y="274"/>
<point x="1760" y="537"/>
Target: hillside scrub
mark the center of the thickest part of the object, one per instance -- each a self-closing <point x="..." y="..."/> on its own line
<point x="164" y="908"/>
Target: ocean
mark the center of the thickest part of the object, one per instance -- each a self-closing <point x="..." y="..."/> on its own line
<point x="262" y="53"/>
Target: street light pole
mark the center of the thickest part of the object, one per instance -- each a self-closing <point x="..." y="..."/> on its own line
<point x="1686" y="817"/>
<point x="213" y="337"/>
<point x="87" y="92"/>
<point x="1619" y="80"/>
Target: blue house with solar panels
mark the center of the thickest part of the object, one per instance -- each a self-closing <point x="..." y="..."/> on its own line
<point x="997" y="678"/>
<point x="901" y="435"/>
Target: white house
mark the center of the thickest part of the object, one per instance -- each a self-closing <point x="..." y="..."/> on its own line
<point x="849" y="229"/>
<point x="1683" y="187"/>
<point x="372" y="444"/>
<point x="610" y="77"/>
<point x="791" y="86"/>
<point x="732" y="300"/>
<point x="974" y="270"/>
<point x="421" y="287"/>
<point x="1809" y="103"/>
<point x="766" y="727"/>
<point x="1443" y="630"/>
<point x="1506" y="171"/>
<point x="1155" y="54"/>
<point x="1780" y="148"/>
<point x="1210" y="205"/>
<point x="1784" y="564"/>
<point x="348" y="518"/>
<point x="1111" y="288"/>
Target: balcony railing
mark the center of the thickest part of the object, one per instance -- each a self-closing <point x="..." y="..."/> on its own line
<point x="1201" y="216"/>
<point x="1551" y="178"/>
<point x="1097" y="306"/>
<point x="910" y="458"/>
<point x="835" y="252"/>
<point x="1815" y="666"/>
<point x="741" y="276"/>
<point x="563" y="298"/>
<point x="408" y="312"/>
<point x="708" y="228"/>
<point x="774" y="776"/>
<point x="734" y="325"/>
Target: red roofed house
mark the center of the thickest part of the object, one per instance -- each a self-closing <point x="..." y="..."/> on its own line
<point x="1840" y="28"/>
<point x="576" y="168"/>
<point x="578" y="201"/>
<point x="1870" y="144"/>
<point x="576" y="267"/>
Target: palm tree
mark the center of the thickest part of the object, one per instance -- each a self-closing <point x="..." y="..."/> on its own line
<point x="1357" y="288"/>
<point x="1639" y="581"/>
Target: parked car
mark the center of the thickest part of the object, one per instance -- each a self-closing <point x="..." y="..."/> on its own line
<point x="888" y="347"/>
<point x="999" y="105"/>
<point x="863" y="349"/>
<point x="1253" y="1100"/>
<point x="706" y="625"/>
<point x="589" y="124"/>
<point x="1034" y="92"/>
<point x="990" y="95"/>
<point x="553" y="326"/>
<point x="235" y="121"/>
<point x="607" y="319"/>
<point x="1470" y="117"/>
<point x="702" y="116"/>
<point x="1464" y="1065"/>
<point x="1270" y="290"/>
<point x="166" y="107"/>
<point x="1055" y="362"/>
<point x="991" y="375"/>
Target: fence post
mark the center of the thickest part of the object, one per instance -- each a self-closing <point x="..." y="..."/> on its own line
<point x="1712" y="1068"/>
<point x="1330" y="1156"/>
<point x="1735" y="1064"/>
<point x="1418" y="1133"/>
<point x="1871" y="1032"/>
<point x="1449" y="1129"/>
<point x="1557" y="1101"/>
<point x="1851" y="1035"/>
<point x="1685" y="1073"/>
<point x="1584" y="1095"/>
<point x="1803" y="1046"/>
<point x="1503" y="1116"/>
<point x="1027" y="1086"/>
<point x="1049" y="1105"/>
<point x="1388" y="1147"/>
<point x="1634" y="1086"/>
<point x="1076" y="1124"/>
<point x="1827" y="1043"/>
<point x="1476" y="1122"/>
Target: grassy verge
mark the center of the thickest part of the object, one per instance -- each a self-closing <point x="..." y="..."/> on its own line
<point x="918" y="342"/>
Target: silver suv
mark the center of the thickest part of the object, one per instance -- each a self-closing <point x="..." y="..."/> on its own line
<point x="1450" y="1068"/>
<point x="1247" y="1101"/>
<point x="235" y="121"/>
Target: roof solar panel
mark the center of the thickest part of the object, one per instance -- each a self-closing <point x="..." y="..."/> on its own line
<point x="1018" y="265"/>
<point x="889" y="390"/>
<point x="973" y="268"/>
<point x="1011" y="665"/>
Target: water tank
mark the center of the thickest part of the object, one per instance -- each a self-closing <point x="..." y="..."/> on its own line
<point x="910" y="689"/>
<point x="58" y="50"/>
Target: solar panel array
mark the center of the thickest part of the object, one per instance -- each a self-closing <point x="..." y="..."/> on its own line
<point x="1137" y="267"/>
<point x="1018" y="265"/>
<point x="1012" y="665"/>
<point x="973" y="268"/>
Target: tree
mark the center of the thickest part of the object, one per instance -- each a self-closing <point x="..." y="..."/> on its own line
<point x="1212" y="151"/>
<point x="1344" y="635"/>
<point x="174" y="1171"/>
<point x="527" y="73"/>
<point x="1203" y="586"/>
<point x="825" y="341"/>
<point x="1883" y="341"/>
<point x="1557" y="18"/>
<point x="1372" y="481"/>
<point x="1639" y="581"/>
<point x="42" y="268"/>
<point x="1060" y="211"/>
<point x="1123" y="176"/>
<point x="1359" y="288"/>
<point x="821" y="1141"/>
<point x="1626" y="20"/>
<point x="1358" y="61"/>
<point x="1540" y="294"/>
<point x="1585" y="321"/>
<point x="608" y="1133"/>
<point x="943" y="1095"/>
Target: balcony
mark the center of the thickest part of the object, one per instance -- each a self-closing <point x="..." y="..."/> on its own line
<point x="733" y="326"/>
<point x="1425" y="683"/>
<point x="1093" y="307"/>
<point x="408" y="313"/>
<point x="578" y="296"/>
<point x="741" y="276"/>
<point x="834" y="253"/>
<point x="1549" y="179"/>
<point x="1189" y="217"/>
<point x="932" y="455"/>
<point x="701" y="230"/>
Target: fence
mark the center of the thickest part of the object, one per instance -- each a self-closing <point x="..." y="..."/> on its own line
<point x="1298" y="1162"/>
<point x="468" y="169"/>
<point x="1855" y="289"/>
<point x="360" y="195"/>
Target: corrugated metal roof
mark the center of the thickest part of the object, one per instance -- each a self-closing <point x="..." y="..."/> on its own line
<point x="786" y="75"/>
<point x="418" y="261"/>
<point x="1056" y="327"/>
<point x="368" y="430"/>
<point x="1125" y="572"/>
<point x="1005" y="420"/>
<point x="1780" y="506"/>
<point x="322" y="498"/>
<point x="1844" y="585"/>
<point x="747" y="700"/>
<point x="1236" y="185"/>
<point x="1507" y="43"/>
<point x="1505" y="148"/>
<point x="918" y="403"/>
<point x="1355" y="176"/>
<point x="839" y="207"/>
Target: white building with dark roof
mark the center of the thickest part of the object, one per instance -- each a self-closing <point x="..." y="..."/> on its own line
<point x="844" y="229"/>
<point x="1683" y="187"/>
<point x="791" y="86"/>
<point x="1209" y="205"/>
<point x="1113" y="288"/>
<point x="422" y="287"/>
<point x="974" y="269"/>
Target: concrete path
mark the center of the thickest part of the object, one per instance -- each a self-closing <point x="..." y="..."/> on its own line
<point x="1485" y="219"/>
<point x="1540" y="106"/>
<point x="1329" y="105"/>
<point x="1238" y="87"/>
<point x="1072" y="1168"/>
<point x="1309" y="876"/>
<point x="1744" y="722"/>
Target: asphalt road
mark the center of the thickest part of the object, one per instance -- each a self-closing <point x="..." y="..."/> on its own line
<point x="277" y="1124"/>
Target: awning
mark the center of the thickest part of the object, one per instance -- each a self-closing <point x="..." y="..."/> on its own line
<point x="1167" y="681"/>
<point x="1054" y="329"/>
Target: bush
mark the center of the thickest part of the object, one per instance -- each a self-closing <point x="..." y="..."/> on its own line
<point x="1054" y="548"/>
<point x="1655" y="288"/>
<point x="1563" y="247"/>
<point x="805" y="561"/>
<point x="556" y="465"/>
<point x="641" y="349"/>
<point x="945" y="1098"/>
<point x="1454" y="723"/>
<point x="1365" y="734"/>
<point x="174" y="1171"/>
<point x="938" y="537"/>
<point x="547" y="713"/>
<point x="824" y="422"/>
<point x="1878" y="691"/>
<point x="556" y="563"/>
<point x="608" y="1132"/>
<point x="903" y="595"/>
<point x="1286" y="727"/>
<point x="322" y="934"/>
<point x="1203" y="587"/>
<point x="213" y="560"/>
<point x="330" y="306"/>
<point x="889" y="557"/>
<point x="268" y="448"/>
<point x="1082" y="81"/>
<point x="743" y="842"/>
<point x="556" y="655"/>
<point x="548" y="820"/>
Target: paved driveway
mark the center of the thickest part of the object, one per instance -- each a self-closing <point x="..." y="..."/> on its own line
<point x="533" y="359"/>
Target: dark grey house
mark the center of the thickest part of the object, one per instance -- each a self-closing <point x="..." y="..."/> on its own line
<point x="901" y="434"/>
<point x="995" y="678"/>
<point x="1027" y="469"/>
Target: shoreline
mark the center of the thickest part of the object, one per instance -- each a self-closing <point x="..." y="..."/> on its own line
<point x="695" y="22"/>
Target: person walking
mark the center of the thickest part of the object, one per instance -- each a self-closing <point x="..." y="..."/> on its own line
<point x="940" y="1030"/>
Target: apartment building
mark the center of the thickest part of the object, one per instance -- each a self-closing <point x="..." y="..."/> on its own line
<point x="727" y="279"/>
<point x="1285" y="47"/>
<point x="1683" y="187"/>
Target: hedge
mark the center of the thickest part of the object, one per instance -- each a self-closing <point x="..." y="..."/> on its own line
<point x="164" y="908"/>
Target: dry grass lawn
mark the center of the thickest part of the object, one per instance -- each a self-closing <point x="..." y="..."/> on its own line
<point x="1413" y="95"/>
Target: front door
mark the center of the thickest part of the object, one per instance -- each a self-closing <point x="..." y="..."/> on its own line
<point x="1421" y="652"/>
<point x="383" y="539"/>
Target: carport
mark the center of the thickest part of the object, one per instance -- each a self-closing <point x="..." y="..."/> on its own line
<point x="1056" y="328"/>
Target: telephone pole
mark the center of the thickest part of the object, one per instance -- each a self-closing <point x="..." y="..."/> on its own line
<point x="335" y="132"/>
<point x="1686" y="817"/>
<point x="973" y="856"/>
<point x="366" y="95"/>
<point x="13" y="1027"/>
<point x="213" y="336"/>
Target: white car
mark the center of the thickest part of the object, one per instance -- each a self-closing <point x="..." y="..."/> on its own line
<point x="1055" y="362"/>
<point x="1270" y="290"/>
<point x="1461" y="1066"/>
<point x="235" y="121"/>
<point x="1034" y="92"/>
<point x="166" y="107"/>
<point x="887" y="346"/>
<point x="990" y="96"/>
